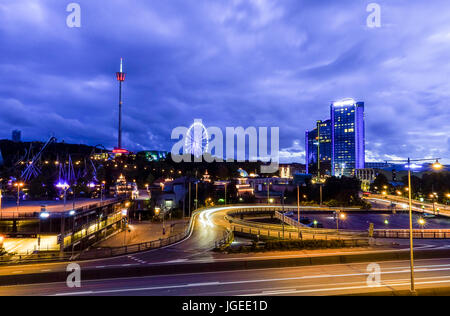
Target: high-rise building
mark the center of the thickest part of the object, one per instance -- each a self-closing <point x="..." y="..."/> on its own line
<point x="318" y="141"/>
<point x="16" y="136"/>
<point x="348" y="142"/>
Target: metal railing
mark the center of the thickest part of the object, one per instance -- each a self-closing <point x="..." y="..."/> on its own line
<point x="289" y="235"/>
<point x="417" y="233"/>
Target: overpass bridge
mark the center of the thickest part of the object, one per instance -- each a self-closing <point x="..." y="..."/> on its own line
<point x="53" y="229"/>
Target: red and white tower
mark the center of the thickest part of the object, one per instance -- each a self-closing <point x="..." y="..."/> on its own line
<point x="121" y="78"/>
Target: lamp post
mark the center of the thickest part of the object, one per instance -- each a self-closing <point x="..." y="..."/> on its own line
<point x="102" y="187"/>
<point x="268" y="192"/>
<point x="298" y="204"/>
<point x="196" y="195"/>
<point x="63" y="186"/>
<point x="18" y="185"/>
<point x="435" y="166"/>
<point x="226" y="193"/>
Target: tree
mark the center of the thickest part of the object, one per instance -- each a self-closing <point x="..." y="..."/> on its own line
<point x="380" y="181"/>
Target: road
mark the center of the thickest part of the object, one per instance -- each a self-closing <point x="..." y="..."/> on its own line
<point x="403" y="203"/>
<point x="209" y="227"/>
<point x="312" y="280"/>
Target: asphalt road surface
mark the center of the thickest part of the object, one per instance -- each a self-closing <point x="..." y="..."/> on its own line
<point x="209" y="226"/>
<point x="311" y="280"/>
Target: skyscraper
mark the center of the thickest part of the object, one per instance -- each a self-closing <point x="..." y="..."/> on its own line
<point x="348" y="143"/>
<point x="322" y="145"/>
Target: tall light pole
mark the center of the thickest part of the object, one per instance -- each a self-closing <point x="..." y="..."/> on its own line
<point x="18" y="185"/>
<point x="226" y="193"/>
<point x="435" y="166"/>
<point x="101" y="191"/>
<point x="63" y="186"/>
<point x="196" y="195"/>
<point x="298" y="203"/>
<point x="189" y="208"/>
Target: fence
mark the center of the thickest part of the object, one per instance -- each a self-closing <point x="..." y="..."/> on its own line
<point x="417" y="234"/>
<point x="289" y="235"/>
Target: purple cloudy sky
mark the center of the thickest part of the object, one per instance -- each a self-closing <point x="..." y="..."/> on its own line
<point x="230" y="63"/>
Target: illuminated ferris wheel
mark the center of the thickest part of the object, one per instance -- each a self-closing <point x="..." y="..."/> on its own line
<point x="197" y="139"/>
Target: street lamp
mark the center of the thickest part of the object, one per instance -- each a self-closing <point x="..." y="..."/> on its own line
<point x="421" y="222"/>
<point x="338" y="216"/>
<point x="435" y="166"/>
<point x="102" y="186"/>
<point x="63" y="186"/>
<point x="18" y="185"/>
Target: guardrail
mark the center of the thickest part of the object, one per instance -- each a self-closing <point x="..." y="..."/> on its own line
<point x="417" y="233"/>
<point x="291" y="224"/>
<point x="316" y="231"/>
<point x="289" y="235"/>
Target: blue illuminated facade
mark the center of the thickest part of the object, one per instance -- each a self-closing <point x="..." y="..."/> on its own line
<point x="342" y="140"/>
<point x="348" y="140"/>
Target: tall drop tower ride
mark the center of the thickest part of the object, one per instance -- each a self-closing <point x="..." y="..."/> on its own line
<point x="121" y="78"/>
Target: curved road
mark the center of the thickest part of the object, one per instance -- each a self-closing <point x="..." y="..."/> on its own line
<point x="208" y="227"/>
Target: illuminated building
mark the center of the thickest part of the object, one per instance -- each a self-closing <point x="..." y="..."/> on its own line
<point x="315" y="144"/>
<point x="348" y="147"/>
<point x="206" y="177"/>
<point x="153" y="155"/>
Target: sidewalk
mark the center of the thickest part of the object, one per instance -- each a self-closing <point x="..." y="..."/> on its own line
<point x="144" y="232"/>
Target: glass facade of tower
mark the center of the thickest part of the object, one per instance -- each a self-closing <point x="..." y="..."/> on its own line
<point x="348" y="151"/>
<point x="311" y="143"/>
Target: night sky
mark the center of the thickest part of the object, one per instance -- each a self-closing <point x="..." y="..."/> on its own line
<point x="230" y="63"/>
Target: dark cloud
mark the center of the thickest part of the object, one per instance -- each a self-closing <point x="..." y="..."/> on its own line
<point x="230" y="63"/>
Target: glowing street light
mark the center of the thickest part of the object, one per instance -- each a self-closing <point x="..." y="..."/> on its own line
<point x="410" y="166"/>
<point x="437" y="165"/>
<point x="18" y="185"/>
<point x="421" y="222"/>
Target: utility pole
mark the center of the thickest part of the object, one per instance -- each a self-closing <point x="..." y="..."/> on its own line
<point x="298" y="204"/>
<point x="189" y="208"/>
<point x="319" y="180"/>
<point x="196" y="195"/>
<point x="226" y="193"/>
<point x="411" y="232"/>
